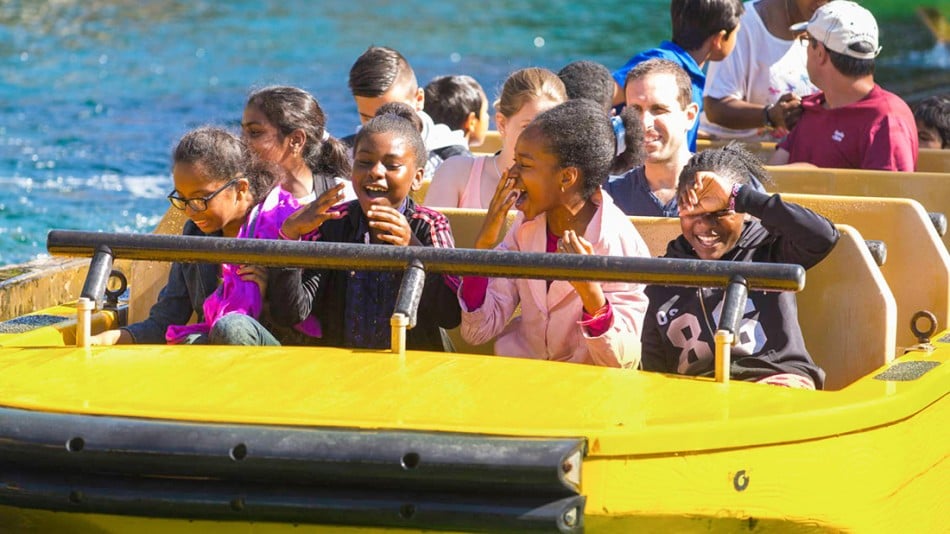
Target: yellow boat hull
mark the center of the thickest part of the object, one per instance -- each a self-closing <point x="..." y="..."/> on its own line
<point x="662" y="452"/>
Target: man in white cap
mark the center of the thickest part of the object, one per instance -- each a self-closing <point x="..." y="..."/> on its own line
<point x="853" y="122"/>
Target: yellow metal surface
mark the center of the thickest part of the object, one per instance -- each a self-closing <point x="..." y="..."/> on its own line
<point x="888" y="479"/>
<point x="62" y="333"/>
<point x="665" y="453"/>
<point x="620" y="411"/>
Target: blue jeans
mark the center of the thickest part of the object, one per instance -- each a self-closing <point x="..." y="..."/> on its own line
<point x="239" y="329"/>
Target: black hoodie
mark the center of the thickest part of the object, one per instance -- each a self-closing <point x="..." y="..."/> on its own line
<point x="680" y="322"/>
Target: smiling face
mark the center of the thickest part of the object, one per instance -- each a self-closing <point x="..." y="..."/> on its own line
<point x="384" y="170"/>
<point x="225" y="211"/>
<point x="665" y="121"/>
<point x="537" y="174"/>
<point x="264" y="138"/>
<point x="714" y="234"/>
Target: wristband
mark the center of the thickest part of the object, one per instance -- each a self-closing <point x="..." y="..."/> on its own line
<point x="732" y="196"/>
<point x="768" y="119"/>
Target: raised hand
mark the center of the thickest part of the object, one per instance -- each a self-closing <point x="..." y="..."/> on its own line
<point x="494" y="222"/>
<point x="786" y="112"/>
<point x="308" y="218"/>
<point x="708" y="193"/>
<point x="591" y="294"/>
<point x="389" y="225"/>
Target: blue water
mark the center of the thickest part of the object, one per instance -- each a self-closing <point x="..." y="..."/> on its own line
<point x="94" y="94"/>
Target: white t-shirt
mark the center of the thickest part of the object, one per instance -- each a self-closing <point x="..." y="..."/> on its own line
<point x="759" y="70"/>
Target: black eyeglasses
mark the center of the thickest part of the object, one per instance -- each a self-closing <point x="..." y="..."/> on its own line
<point x="198" y="203"/>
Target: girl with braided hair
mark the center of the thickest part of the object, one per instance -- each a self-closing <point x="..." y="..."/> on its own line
<point x="723" y="218"/>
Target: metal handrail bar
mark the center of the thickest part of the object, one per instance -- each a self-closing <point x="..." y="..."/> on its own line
<point x="462" y="262"/>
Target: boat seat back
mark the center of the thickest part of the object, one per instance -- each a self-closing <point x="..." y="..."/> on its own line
<point x="847" y="312"/>
<point x="928" y="159"/>
<point x="931" y="189"/>
<point x="762" y="150"/>
<point x="147" y="278"/>
<point x="490" y="145"/>
<point x="933" y="160"/>
<point x="917" y="269"/>
<point x="419" y="195"/>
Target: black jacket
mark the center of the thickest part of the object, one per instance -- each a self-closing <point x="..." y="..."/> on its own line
<point x="294" y="294"/>
<point x="680" y="322"/>
<point x="189" y="284"/>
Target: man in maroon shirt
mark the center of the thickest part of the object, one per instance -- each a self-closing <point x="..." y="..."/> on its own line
<point x="853" y="122"/>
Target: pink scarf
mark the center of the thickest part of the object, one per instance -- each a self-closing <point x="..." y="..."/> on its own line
<point x="236" y="295"/>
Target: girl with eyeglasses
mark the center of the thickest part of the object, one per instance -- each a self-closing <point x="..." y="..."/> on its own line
<point x="217" y="184"/>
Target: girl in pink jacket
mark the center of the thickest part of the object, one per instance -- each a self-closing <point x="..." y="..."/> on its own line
<point x="561" y="160"/>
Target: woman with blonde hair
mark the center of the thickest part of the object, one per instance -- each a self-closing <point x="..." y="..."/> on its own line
<point x="470" y="181"/>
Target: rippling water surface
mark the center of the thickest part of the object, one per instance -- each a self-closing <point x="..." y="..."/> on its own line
<point x="94" y="94"/>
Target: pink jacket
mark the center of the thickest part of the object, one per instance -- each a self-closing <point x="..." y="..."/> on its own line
<point x="548" y="326"/>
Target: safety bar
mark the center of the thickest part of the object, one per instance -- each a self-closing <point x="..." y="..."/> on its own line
<point x="461" y="262"/>
<point x="407" y="304"/>
<point x="727" y="332"/>
<point x="100" y="269"/>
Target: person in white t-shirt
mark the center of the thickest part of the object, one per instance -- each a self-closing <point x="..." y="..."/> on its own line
<point x="755" y="93"/>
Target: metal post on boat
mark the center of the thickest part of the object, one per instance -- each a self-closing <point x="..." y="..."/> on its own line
<point x="100" y="269"/>
<point x="724" y="340"/>
<point x="398" y="323"/>
<point x="407" y="305"/>
<point x="733" y="306"/>
<point x="84" y="307"/>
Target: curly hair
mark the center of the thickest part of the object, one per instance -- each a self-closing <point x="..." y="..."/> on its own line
<point x="579" y="134"/>
<point x="223" y="156"/>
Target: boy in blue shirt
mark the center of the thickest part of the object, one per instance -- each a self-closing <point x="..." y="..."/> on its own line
<point x="703" y="30"/>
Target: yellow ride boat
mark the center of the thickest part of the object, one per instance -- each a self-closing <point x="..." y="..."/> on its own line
<point x="156" y="438"/>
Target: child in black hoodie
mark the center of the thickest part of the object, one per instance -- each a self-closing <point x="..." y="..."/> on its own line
<point x="723" y="219"/>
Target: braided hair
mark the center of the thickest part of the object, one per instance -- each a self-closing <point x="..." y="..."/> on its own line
<point x="732" y="161"/>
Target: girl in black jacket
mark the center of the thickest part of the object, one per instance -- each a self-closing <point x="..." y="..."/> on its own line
<point x="353" y="308"/>
<point x="723" y="219"/>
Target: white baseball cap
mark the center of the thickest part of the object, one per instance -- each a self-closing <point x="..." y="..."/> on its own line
<point x="840" y="24"/>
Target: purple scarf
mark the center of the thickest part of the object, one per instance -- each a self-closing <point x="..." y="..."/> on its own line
<point x="236" y="295"/>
